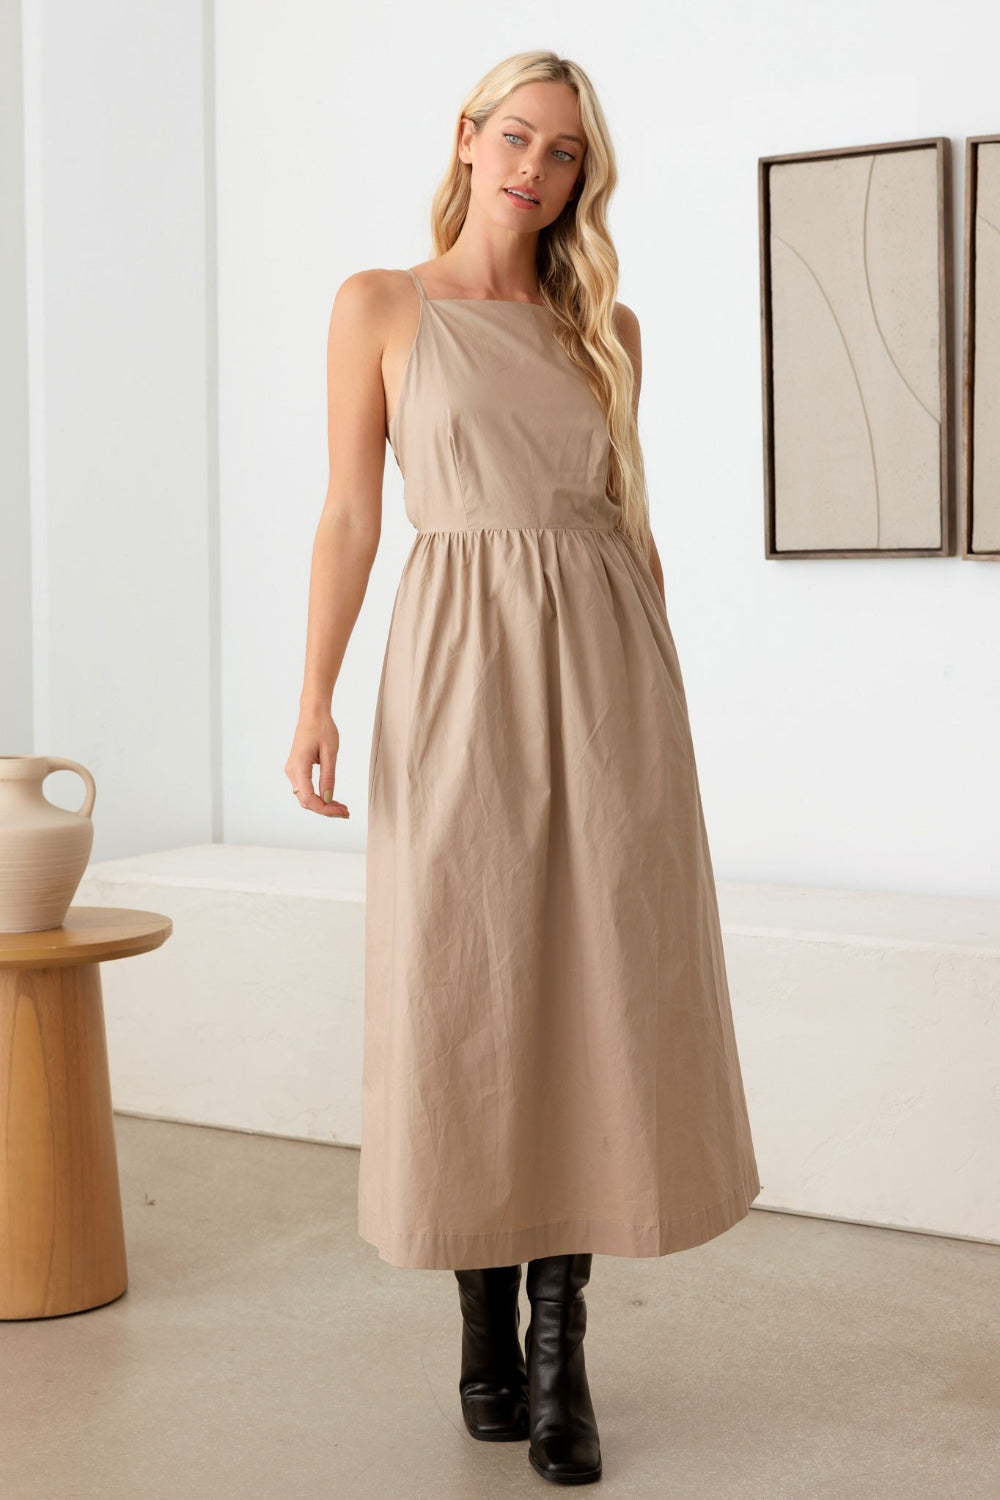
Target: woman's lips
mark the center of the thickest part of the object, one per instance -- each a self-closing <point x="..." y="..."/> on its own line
<point x="521" y="202"/>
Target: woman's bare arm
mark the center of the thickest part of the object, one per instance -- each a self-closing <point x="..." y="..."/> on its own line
<point x="628" y="332"/>
<point x="349" y="528"/>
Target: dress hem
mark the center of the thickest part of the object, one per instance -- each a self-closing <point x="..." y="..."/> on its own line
<point x="437" y="1251"/>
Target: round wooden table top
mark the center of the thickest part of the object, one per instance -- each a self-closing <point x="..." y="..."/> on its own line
<point x="88" y="935"/>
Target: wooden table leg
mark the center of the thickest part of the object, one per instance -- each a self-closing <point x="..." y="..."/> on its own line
<point x="62" y="1241"/>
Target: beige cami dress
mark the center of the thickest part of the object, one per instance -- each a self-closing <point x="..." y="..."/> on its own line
<point x="550" y="1064"/>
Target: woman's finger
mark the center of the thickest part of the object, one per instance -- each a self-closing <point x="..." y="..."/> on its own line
<point x="327" y="769"/>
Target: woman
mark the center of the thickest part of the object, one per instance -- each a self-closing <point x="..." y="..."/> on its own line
<point x="550" y="1067"/>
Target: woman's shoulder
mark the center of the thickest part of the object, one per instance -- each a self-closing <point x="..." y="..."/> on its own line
<point x="627" y="328"/>
<point x="375" y="308"/>
<point x="374" y="289"/>
<point x="626" y="322"/>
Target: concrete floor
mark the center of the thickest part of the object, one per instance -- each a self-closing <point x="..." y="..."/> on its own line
<point x="264" y="1350"/>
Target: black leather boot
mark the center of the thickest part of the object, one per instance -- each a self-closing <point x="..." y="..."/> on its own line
<point x="494" y="1382"/>
<point x="565" y="1446"/>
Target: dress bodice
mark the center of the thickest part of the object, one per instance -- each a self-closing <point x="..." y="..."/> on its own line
<point x="495" y="426"/>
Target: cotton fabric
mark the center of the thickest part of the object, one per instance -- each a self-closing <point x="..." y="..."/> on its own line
<point x="550" y="1065"/>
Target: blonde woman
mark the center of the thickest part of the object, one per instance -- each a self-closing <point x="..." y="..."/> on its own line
<point x="550" y="1069"/>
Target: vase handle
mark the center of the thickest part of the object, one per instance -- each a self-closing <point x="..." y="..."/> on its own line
<point x="56" y="763"/>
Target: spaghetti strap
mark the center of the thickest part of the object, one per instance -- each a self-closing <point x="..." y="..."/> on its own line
<point x="417" y="283"/>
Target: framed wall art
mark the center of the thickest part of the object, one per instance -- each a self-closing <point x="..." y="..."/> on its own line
<point x="856" y="287"/>
<point x="981" y="350"/>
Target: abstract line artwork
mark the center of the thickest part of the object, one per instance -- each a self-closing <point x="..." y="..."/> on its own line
<point x="981" y="350"/>
<point x="855" y="294"/>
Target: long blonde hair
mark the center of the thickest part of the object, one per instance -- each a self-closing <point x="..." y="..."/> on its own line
<point x="576" y="262"/>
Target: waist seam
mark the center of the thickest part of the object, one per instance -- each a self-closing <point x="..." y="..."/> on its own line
<point x="475" y="530"/>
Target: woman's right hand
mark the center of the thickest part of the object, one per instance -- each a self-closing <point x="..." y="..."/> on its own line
<point x="316" y="742"/>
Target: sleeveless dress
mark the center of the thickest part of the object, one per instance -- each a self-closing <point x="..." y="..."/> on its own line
<point x="550" y="1064"/>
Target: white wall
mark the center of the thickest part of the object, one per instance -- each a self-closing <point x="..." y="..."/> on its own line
<point x="122" y="514"/>
<point x="16" y="656"/>
<point x="845" y="713"/>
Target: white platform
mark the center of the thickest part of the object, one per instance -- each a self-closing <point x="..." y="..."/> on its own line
<point x="868" y="1024"/>
<point x="250" y="1015"/>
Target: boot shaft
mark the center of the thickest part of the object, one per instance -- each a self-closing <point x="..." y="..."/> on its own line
<point x="558" y="1278"/>
<point x="491" y="1318"/>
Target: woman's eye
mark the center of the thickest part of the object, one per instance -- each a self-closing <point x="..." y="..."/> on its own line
<point x="509" y="135"/>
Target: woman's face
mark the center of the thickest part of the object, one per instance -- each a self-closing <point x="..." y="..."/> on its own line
<point x="533" y="143"/>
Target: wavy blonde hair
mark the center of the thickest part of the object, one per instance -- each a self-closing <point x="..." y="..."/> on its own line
<point x="576" y="262"/>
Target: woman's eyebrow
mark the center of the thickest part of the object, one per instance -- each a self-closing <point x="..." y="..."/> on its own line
<point x="563" y="135"/>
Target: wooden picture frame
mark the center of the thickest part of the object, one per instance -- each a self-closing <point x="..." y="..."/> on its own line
<point x="981" y="350"/>
<point x="856" y="345"/>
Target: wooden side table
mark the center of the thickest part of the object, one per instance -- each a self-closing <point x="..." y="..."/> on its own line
<point x="62" y="1241"/>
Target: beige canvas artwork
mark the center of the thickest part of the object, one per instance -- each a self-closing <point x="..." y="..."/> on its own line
<point x="855" y="335"/>
<point x="982" y="342"/>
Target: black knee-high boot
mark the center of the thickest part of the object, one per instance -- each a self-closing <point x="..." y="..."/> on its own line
<point x="494" y="1381"/>
<point x="565" y="1445"/>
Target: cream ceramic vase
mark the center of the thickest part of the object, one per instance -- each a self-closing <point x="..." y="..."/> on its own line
<point x="44" y="849"/>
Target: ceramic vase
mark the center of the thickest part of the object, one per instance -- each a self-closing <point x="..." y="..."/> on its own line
<point x="44" y="849"/>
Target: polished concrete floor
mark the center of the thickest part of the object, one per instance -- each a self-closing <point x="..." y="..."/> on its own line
<point x="263" y="1351"/>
